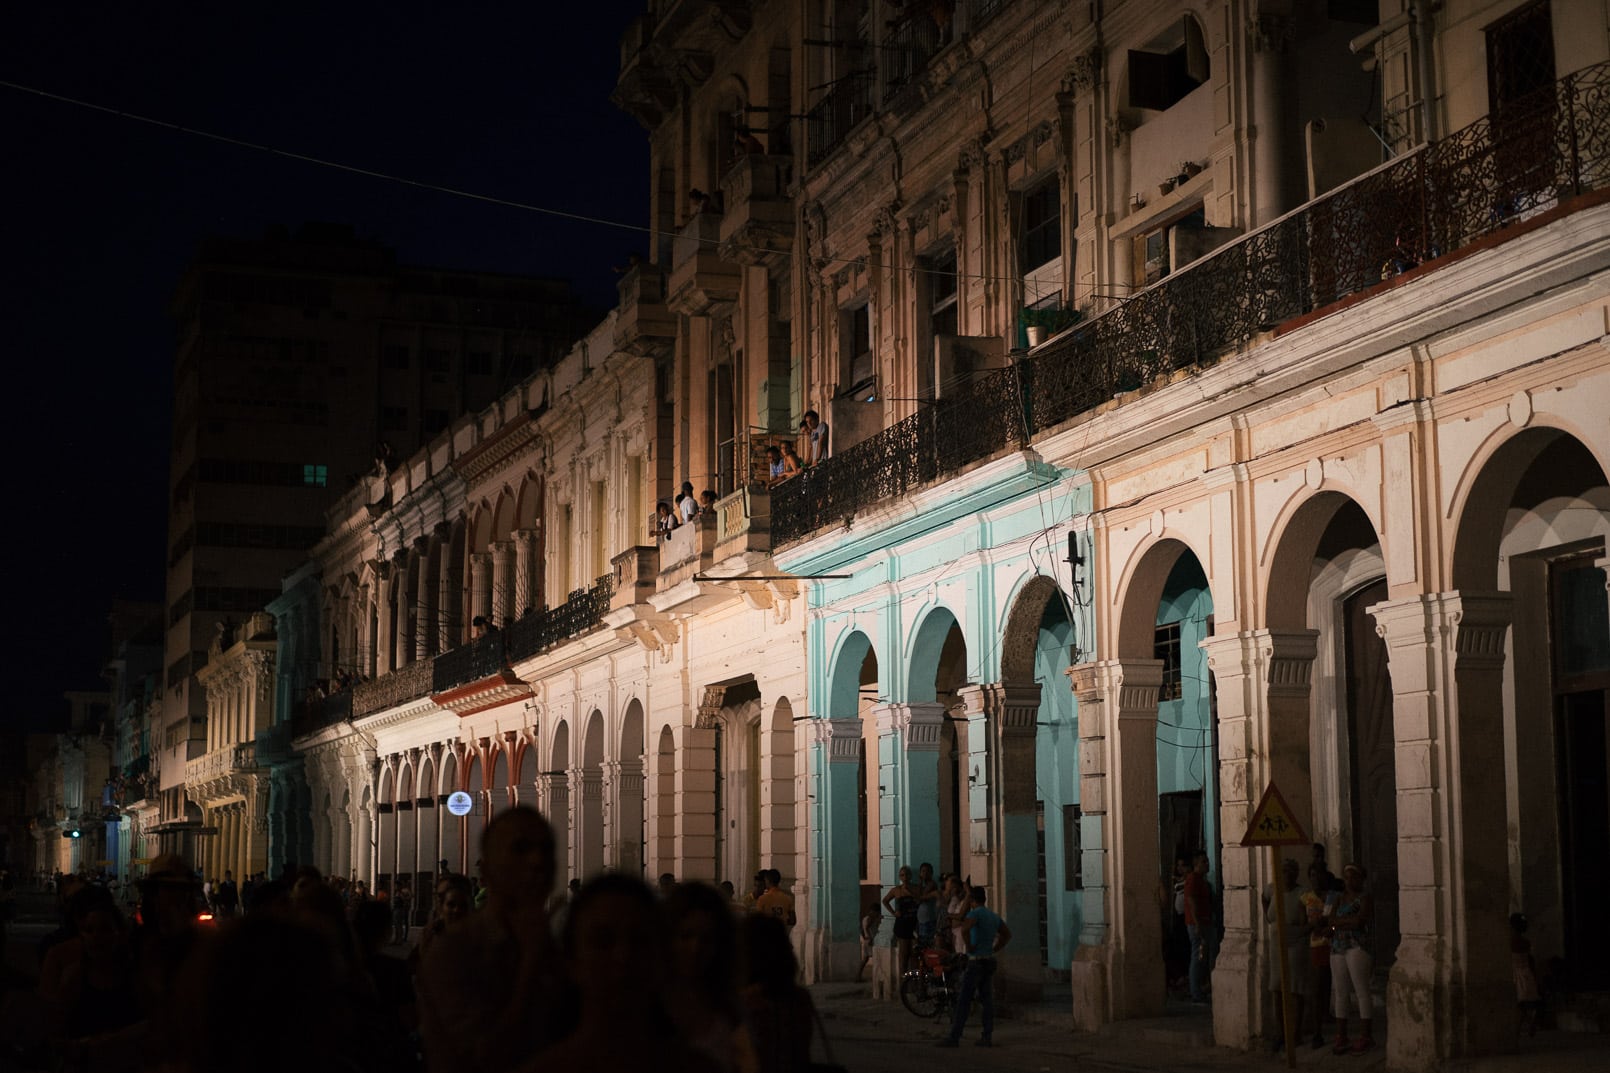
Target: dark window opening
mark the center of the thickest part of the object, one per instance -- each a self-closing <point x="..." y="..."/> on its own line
<point x="1042" y="226"/>
<point x="858" y="345"/>
<point x="1073" y="874"/>
<point x="942" y="293"/>
<point x="1520" y="55"/>
<point x="1170" y="66"/>
<point x="1166" y="647"/>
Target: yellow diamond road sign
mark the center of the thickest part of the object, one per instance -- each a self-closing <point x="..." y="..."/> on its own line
<point x="1273" y="823"/>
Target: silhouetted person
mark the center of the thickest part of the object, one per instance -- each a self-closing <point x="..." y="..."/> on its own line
<point x="703" y="998"/>
<point x="617" y="959"/>
<point x="778" y="1010"/>
<point x="489" y="986"/>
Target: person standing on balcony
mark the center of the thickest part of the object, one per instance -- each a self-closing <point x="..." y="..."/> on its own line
<point x="664" y="520"/>
<point x="686" y="505"/>
<point x="774" y="465"/>
<point x="816" y="437"/>
<point x="791" y="461"/>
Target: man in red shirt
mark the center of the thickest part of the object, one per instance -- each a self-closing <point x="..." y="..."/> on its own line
<point x="1201" y="926"/>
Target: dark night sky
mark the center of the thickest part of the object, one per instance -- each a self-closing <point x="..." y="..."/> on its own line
<point x="102" y="213"/>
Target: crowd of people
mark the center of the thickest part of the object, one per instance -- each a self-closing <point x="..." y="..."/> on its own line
<point x="505" y="976"/>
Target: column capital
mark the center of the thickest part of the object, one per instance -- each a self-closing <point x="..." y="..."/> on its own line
<point x="840" y="737"/>
<point x="1472" y="624"/>
<point x="1013" y="706"/>
<point x="1282" y="660"/>
<point x="918" y="724"/>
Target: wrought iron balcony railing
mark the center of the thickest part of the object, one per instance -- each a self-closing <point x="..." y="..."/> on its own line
<point x="1535" y="155"/>
<point x="831" y="119"/>
<point x="909" y="46"/>
<point x="481" y="658"/>
<point x="389" y="690"/>
<point x="541" y="630"/>
<point x="315" y="714"/>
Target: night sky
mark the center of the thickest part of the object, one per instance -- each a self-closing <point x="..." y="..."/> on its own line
<point x="102" y="214"/>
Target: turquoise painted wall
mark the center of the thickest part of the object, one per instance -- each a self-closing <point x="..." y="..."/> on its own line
<point x="1185" y="759"/>
<point x="1057" y="783"/>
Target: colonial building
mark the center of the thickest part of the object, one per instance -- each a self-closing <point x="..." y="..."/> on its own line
<point x="304" y="361"/>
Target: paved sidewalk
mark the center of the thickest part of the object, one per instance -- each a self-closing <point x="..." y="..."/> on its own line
<point x="877" y="1035"/>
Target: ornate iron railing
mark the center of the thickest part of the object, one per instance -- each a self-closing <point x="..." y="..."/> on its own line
<point x="481" y="658"/>
<point x="1501" y="170"/>
<point x="909" y="46"/>
<point x="543" y="629"/>
<point x="830" y="120"/>
<point x="312" y="715"/>
<point x="407" y="683"/>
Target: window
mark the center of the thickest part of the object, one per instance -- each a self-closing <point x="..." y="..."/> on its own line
<point x="1520" y="55"/>
<point x="942" y="293"/>
<point x="395" y="357"/>
<point x="1166" y="647"/>
<point x="315" y="476"/>
<point x="1169" y="246"/>
<point x="438" y="361"/>
<point x="1042" y="226"/>
<point x="479" y="362"/>
<point x="1171" y="65"/>
<point x="857" y="327"/>
<point x="394" y="418"/>
<point x="1073" y="876"/>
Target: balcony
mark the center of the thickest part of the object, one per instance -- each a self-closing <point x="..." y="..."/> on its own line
<point x="758" y="226"/>
<point x="313" y="715"/>
<point x="687" y="550"/>
<point x="743" y="523"/>
<point x="1400" y="221"/>
<point x="701" y="280"/>
<point x="542" y="630"/>
<point x="481" y="658"/>
<point x="636" y="576"/>
<point x="643" y="325"/>
<point x="839" y="111"/>
<point x="909" y="46"/>
<point x="401" y="686"/>
<point x="220" y="763"/>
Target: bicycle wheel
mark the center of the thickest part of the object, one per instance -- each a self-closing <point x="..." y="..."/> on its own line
<point x="916" y="996"/>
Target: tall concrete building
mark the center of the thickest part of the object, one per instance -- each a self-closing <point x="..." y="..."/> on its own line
<point x="305" y="361"/>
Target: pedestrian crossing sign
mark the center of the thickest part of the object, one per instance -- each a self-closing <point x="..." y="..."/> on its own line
<point x="1273" y="823"/>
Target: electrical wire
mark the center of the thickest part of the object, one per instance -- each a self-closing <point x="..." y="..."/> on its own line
<point x="489" y="199"/>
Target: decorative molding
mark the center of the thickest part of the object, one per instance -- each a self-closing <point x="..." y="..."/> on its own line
<point x="1084" y="73"/>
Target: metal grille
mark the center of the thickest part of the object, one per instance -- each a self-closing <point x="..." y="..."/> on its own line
<point x="1547" y="147"/>
<point x="830" y="121"/>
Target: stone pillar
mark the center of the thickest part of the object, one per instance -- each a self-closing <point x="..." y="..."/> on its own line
<point x="449" y="593"/>
<point x="623" y="815"/>
<point x="1261" y="684"/>
<point x="386" y="621"/>
<point x="908" y="810"/>
<point x="480" y="585"/>
<point x="696" y="805"/>
<point x="1118" y="968"/>
<point x="1001" y="807"/>
<point x="406" y="596"/>
<point x="427" y="631"/>
<point x="555" y="790"/>
<point x="1450" y="993"/>
<point x="832" y="940"/>
<point x="525" y="571"/>
<point x="503" y="608"/>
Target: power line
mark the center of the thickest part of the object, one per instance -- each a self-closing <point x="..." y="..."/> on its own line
<point x="490" y="199"/>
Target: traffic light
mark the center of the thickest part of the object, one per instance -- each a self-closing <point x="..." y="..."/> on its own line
<point x="72" y="832"/>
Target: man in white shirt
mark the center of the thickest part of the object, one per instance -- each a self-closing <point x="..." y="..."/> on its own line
<point x="687" y="506"/>
<point x="813" y="428"/>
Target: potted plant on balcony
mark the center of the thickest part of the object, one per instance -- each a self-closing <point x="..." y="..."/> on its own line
<point x="1166" y="186"/>
<point x="1190" y="169"/>
<point x="1042" y="322"/>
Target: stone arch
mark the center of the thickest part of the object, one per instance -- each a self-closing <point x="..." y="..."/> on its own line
<point x="427" y="825"/>
<point x="1293" y="546"/>
<point x="474" y="823"/>
<point x="503" y="510"/>
<point x="407" y="823"/>
<point x="559" y="799"/>
<point x="1036" y="642"/>
<point x="590" y="814"/>
<point x="499" y="798"/>
<point x="525" y="768"/>
<point x="778" y="824"/>
<point x="844" y="679"/>
<point x="1142" y="591"/>
<point x="929" y="641"/>
<point x="528" y="502"/>
<point x="628" y="834"/>
<point x="1519" y="469"/>
<point x="386" y="825"/>
<point x="665" y="801"/>
<point x="1532" y="525"/>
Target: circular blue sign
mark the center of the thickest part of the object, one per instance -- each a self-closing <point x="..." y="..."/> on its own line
<point x="459" y="803"/>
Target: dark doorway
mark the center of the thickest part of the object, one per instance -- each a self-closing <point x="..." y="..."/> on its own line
<point x="1579" y="636"/>
<point x="1372" y="779"/>
<point x="1179" y="827"/>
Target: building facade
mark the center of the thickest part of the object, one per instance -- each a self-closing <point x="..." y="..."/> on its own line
<point x="305" y="361"/>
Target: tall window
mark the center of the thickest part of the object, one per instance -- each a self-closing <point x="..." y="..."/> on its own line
<point x="1073" y="877"/>
<point x="315" y="476"/>
<point x="1169" y="67"/>
<point x="942" y="293"/>
<point x="1166" y="647"/>
<point x="1042" y="226"/>
<point x="1520" y="55"/>
<point x="857" y="333"/>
